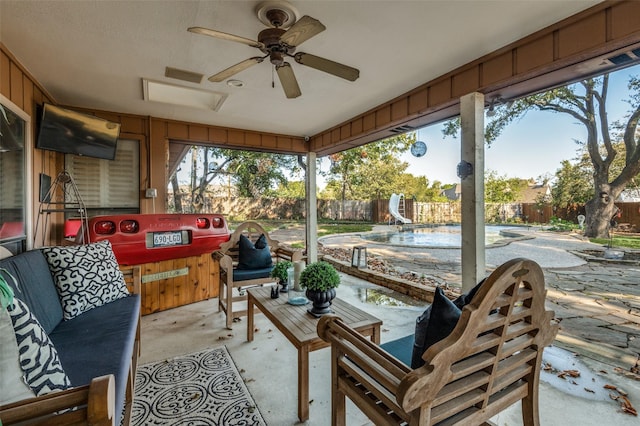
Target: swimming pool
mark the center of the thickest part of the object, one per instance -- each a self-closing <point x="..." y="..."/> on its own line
<point x="441" y="236"/>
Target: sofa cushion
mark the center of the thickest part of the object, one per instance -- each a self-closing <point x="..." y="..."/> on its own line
<point x="12" y="382"/>
<point x="34" y="285"/>
<point x="251" y="274"/>
<point x="39" y="359"/>
<point x="106" y="352"/>
<point x="254" y="256"/>
<point x="86" y="276"/>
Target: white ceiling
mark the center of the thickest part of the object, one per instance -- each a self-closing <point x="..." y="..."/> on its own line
<point x="94" y="54"/>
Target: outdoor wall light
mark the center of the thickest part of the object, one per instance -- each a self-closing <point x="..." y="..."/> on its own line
<point x="465" y="169"/>
<point x="359" y="257"/>
<point x="491" y="111"/>
<point x="498" y="101"/>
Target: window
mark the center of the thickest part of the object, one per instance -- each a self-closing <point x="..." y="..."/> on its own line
<point x="108" y="186"/>
<point x="13" y="208"/>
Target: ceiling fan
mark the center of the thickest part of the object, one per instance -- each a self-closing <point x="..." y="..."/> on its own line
<point x="276" y="43"/>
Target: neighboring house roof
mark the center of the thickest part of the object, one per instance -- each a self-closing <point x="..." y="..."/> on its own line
<point x="533" y="192"/>
<point x="629" y="196"/>
<point x="453" y="193"/>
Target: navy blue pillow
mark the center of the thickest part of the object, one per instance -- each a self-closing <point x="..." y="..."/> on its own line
<point x="252" y="256"/>
<point x="261" y="242"/>
<point x="438" y="321"/>
<point x="465" y="299"/>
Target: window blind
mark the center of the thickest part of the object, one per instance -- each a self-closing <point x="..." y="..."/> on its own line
<point x="108" y="184"/>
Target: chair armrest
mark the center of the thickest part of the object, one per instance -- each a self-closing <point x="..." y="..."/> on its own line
<point x="91" y="404"/>
<point x="288" y="253"/>
<point x="225" y="261"/>
<point x="378" y="371"/>
<point x="133" y="278"/>
<point x="137" y="279"/>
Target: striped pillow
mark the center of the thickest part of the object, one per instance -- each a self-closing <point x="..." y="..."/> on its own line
<point x="38" y="357"/>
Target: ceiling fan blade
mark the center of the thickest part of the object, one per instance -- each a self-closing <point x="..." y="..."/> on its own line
<point x="331" y="67"/>
<point x="301" y="31"/>
<point x="288" y="81"/>
<point x="226" y="36"/>
<point x="234" y="69"/>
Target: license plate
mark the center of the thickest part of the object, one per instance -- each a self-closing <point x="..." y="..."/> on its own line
<point x="164" y="239"/>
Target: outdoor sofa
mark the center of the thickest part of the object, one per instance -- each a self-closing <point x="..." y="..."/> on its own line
<point x="71" y="344"/>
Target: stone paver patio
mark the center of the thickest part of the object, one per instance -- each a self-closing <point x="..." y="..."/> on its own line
<point x="598" y="304"/>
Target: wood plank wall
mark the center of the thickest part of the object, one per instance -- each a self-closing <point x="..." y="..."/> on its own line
<point x="200" y="283"/>
<point x="22" y="89"/>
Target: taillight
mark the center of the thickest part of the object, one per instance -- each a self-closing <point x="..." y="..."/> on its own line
<point x="129" y="226"/>
<point x="218" y="222"/>
<point x="202" y="223"/>
<point x="105" y="227"/>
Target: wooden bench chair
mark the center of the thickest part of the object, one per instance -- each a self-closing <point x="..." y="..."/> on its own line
<point x="491" y="360"/>
<point x="231" y="278"/>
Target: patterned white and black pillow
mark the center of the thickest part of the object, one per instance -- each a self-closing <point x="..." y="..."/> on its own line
<point x="12" y="382"/>
<point x="38" y="357"/>
<point x="86" y="276"/>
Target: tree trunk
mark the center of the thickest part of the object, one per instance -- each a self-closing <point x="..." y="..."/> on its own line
<point x="177" y="195"/>
<point x="600" y="211"/>
<point x="342" y="199"/>
<point x="597" y="223"/>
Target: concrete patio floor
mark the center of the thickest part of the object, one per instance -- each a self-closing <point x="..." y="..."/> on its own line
<point x="578" y="292"/>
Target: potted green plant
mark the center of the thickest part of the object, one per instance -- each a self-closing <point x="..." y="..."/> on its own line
<point x="280" y="272"/>
<point x="320" y="280"/>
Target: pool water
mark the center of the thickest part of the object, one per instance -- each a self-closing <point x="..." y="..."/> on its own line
<point x="437" y="236"/>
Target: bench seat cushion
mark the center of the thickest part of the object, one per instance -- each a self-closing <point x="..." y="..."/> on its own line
<point x="86" y="353"/>
<point x="251" y="274"/>
<point x="400" y="348"/>
<point x="35" y="286"/>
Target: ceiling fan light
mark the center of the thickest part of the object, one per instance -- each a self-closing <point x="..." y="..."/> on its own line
<point x="276" y="58"/>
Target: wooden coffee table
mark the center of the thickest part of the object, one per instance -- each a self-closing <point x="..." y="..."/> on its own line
<point x="300" y="328"/>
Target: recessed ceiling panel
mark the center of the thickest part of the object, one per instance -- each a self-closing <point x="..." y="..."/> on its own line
<point x="157" y="91"/>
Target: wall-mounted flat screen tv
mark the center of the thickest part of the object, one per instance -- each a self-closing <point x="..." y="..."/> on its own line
<point x="71" y="132"/>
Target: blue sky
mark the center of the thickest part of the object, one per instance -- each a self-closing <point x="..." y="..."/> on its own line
<point x="531" y="147"/>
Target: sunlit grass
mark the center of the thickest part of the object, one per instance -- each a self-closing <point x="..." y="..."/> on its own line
<point x="619" y="241"/>
<point x="324" y="228"/>
<point x="342" y="228"/>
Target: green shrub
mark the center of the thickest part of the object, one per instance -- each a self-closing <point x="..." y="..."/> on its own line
<point x="319" y="276"/>
<point x="279" y="271"/>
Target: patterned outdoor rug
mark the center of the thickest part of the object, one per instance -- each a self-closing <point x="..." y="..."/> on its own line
<point x="203" y="388"/>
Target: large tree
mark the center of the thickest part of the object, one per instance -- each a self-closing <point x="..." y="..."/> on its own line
<point x="253" y="174"/>
<point x="369" y="171"/>
<point x="573" y="183"/>
<point x="501" y="189"/>
<point x="586" y="102"/>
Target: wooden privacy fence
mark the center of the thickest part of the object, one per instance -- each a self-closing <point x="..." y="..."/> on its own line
<point x="377" y="211"/>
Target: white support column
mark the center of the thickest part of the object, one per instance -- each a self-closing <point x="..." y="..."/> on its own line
<point x="472" y="155"/>
<point x="311" y="206"/>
